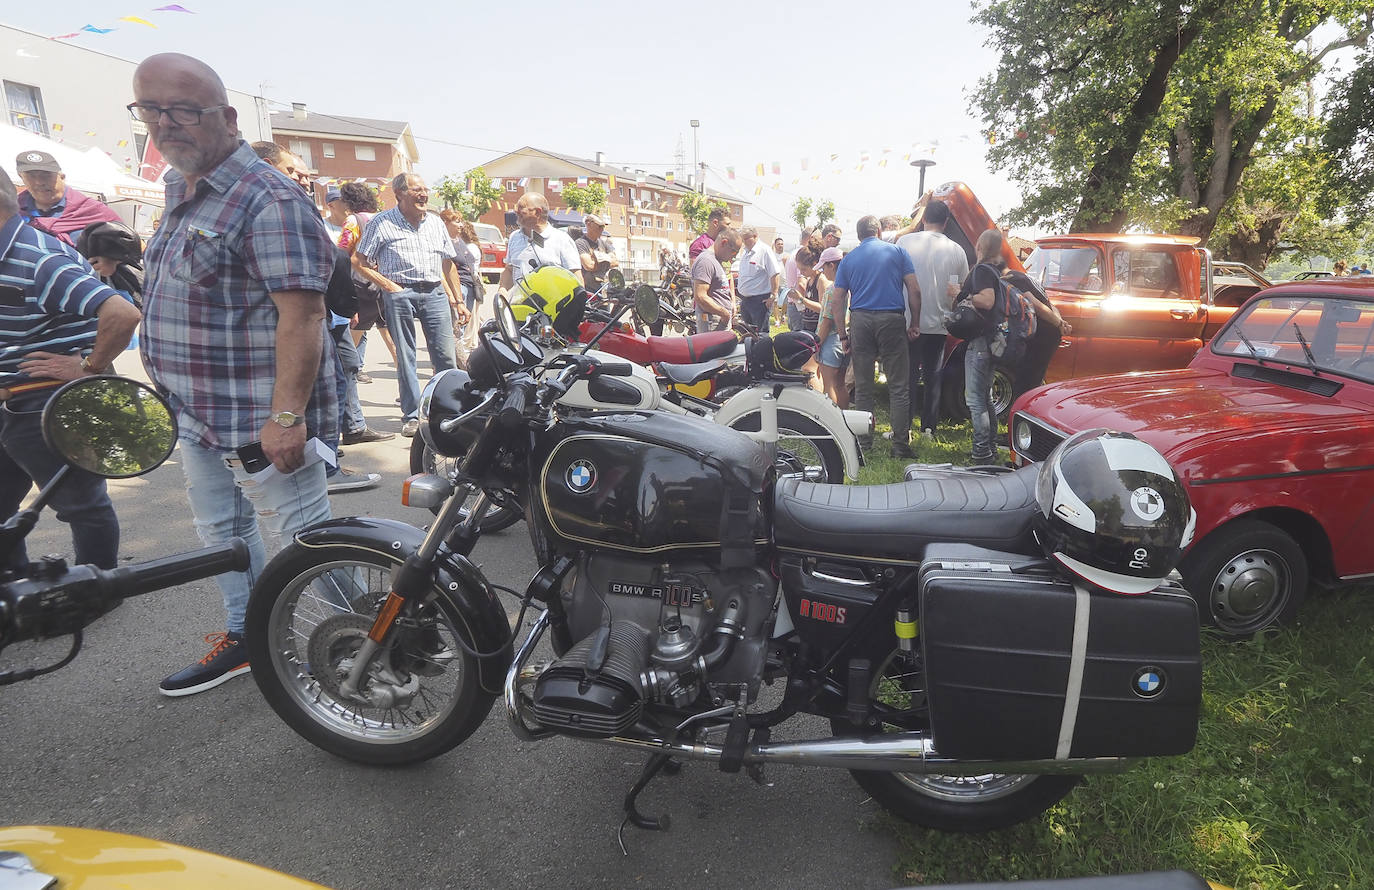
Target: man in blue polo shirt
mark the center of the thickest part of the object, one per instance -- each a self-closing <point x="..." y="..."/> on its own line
<point x="57" y="323"/>
<point x="870" y="281"/>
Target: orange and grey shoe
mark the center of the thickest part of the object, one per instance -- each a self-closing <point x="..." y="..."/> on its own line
<point x="225" y="660"/>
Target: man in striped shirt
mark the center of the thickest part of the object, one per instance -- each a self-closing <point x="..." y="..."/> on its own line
<point x="410" y="248"/>
<point x="57" y="323"/>
<point x="234" y="331"/>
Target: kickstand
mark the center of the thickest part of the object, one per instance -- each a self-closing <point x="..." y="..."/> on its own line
<point x="658" y="762"/>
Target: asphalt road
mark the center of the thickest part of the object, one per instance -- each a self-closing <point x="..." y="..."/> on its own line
<point x="96" y="745"/>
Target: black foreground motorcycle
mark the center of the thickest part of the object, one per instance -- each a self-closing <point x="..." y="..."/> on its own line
<point x="115" y="428"/>
<point x="694" y="601"/>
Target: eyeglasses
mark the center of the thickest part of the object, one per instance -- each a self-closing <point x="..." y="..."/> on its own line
<point x="180" y="114"/>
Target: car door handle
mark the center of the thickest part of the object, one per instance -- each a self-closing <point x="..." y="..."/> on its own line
<point x="1181" y="314"/>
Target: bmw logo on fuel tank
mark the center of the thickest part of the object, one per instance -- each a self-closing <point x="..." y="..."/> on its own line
<point x="581" y="476"/>
<point x="1149" y="682"/>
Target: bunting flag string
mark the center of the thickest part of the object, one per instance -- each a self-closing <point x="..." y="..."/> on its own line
<point x="131" y="19"/>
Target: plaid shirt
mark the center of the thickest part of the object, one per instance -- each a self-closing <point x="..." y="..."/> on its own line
<point x="406" y="254"/>
<point x="210" y="326"/>
<point x="48" y="298"/>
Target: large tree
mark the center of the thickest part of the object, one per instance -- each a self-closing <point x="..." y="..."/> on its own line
<point x="1112" y="112"/>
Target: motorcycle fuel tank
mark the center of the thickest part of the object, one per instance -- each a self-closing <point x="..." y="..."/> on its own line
<point x="649" y="482"/>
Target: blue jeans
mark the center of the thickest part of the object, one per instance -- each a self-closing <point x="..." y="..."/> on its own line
<point x="80" y="500"/>
<point x="348" y="362"/>
<point x="978" y="397"/>
<point x="436" y="319"/>
<point x="227" y="502"/>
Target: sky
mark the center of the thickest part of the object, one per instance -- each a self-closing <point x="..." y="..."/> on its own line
<point x="787" y="82"/>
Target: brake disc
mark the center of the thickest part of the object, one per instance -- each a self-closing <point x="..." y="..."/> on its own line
<point x="332" y="649"/>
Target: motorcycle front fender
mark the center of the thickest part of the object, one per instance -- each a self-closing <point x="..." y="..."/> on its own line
<point x="455" y="577"/>
<point x="804" y="401"/>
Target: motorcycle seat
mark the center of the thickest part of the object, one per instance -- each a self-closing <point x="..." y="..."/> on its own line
<point x="695" y="348"/>
<point x="686" y="375"/>
<point x="897" y="521"/>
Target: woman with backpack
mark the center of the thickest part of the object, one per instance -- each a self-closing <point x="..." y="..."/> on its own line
<point x="986" y="290"/>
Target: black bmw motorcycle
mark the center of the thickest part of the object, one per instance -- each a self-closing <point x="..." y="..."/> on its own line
<point x="694" y="601"/>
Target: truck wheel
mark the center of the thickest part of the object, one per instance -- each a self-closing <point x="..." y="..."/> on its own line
<point x="1246" y="576"/>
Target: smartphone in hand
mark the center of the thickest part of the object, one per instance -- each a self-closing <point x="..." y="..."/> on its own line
<point x="253" y="458"/>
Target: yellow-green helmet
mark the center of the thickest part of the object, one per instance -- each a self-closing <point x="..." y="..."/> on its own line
<point x="555" y="292"/>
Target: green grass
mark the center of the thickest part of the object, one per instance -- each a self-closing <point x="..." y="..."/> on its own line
<point x="1277" y="795"/>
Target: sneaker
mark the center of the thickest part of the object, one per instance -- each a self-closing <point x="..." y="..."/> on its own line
<point x="901" y="449"/>
<point x="410" y="428"/>
<point x="225" y="661"/>
<point x="363" y="377"/>
<point x="352" y="480"/>
<point x="983" y="460"/>
<point x="366" y="434"/>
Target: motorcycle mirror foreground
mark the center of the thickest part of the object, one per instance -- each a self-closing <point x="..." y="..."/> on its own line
<point x="110" y="426"/>
<point x="646" y="304"/>
<point x="506" y="324"/>
<point x="615" y="278"/>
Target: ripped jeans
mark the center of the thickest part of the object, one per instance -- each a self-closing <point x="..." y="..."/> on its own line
<point x="227" y="502"/>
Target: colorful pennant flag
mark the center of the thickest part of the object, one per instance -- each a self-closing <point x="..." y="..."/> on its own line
<point x="94" y="30"/>
<point x="66" y="36"/>
<point x="758" y="169"/>
<point x="581" y="180"/>
<point x="777" y="169"/>
<point x="524" y="181"/>
<point x="173" y="7"/>
<point x="758" y="190"/>
<point x="668" y="176"/>
<point x="834" y="158"/>
<point x="730" y="172"/>
<point x="805" y="162"/>
<point x="472" y="184"/>
<point x="137" y="21"/>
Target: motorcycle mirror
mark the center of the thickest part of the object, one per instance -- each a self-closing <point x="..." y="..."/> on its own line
<point x="110" y="426"/>
<point x="646" y="304"/>
<point x="506" y="325"/>
<point x="615" y="279"/>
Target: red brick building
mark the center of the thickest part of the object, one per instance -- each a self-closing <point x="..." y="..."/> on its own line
<point x="346" y="148"/>
<point x="642" y="208"/>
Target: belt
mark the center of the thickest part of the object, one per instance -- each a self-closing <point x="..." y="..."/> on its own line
<point x="755" y="296"/>
<point x="422" y="287"/>
<point x="18" y="389"/>
<point x="880" y="311"/>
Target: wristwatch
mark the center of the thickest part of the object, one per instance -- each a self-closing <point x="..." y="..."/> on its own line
<point x="287" y="419"/>
<point x="90" y="368"/>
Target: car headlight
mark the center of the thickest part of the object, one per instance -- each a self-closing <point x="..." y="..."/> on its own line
<point x="1022" y="434"/>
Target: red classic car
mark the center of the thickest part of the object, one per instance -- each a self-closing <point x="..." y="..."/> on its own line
<point x="1135" y="302"/>
<point x="1271" y="428"/>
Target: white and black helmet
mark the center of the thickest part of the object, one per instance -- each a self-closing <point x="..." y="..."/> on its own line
<point x="1112" y="512"/>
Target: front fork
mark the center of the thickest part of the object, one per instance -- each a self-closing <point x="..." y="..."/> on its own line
<point x="411" y="582"/>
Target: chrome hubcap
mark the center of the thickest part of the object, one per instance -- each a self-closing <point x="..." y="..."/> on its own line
<point x="1250" y="590"/>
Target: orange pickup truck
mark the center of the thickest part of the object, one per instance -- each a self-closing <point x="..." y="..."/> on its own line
<point x="1135" y="302"/>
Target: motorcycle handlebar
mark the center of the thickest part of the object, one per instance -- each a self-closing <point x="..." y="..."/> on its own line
<point x="615" y="369"/>
<point x="513" y="408"/>
<point x="57" y="600"/>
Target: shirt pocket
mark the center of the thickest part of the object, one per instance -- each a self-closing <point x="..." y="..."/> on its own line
<point x="199" y="261"/>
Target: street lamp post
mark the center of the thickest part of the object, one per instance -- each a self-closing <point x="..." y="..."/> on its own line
<point x="922" y="163"/>
<point x="696" y="151"/>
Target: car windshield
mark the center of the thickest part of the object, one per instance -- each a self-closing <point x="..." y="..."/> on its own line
<point x="1077" y="269"/>
<point x="1325" y="333"/>
<point x="487" y="232"/>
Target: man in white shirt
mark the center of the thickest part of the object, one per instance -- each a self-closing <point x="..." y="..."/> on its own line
<point x="759" y="274"/>
<point x="941" y="267"/>
<point x="537" y="242"/>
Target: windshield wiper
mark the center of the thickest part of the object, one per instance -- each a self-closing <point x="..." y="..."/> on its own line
<point x="1254" y="353"/>
<point x="1307" y="350"/>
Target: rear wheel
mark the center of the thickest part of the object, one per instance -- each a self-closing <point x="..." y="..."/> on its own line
<point x="953" y="403"/>
<point x="804" y="446"/>
<point x="946" y="803"/>
<point x="424" y="459"/>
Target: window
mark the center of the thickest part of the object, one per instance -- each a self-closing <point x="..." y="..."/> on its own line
<point x="632" y="194"/>
<point x="25" y="105"/>
<point x="512" y="185"/>
<point x="301" y="149"/>
<point x="364" y="153"/>
<point x="1077" y="269"/>
<point x="622" y="191"/>
<point x="1144" y="273"/>
<point x="327" y="149"/>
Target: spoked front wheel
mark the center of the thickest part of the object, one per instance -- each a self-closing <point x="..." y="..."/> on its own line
<point x="309" y="618"/>
<point x="946" y="803"/>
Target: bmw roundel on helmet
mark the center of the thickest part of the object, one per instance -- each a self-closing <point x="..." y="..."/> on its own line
<point x="557" y="293"/>
<point x="1112" y="512"/>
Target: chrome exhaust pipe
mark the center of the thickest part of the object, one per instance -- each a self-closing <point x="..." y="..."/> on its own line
<point x="514" y="716"/>
<point x="903" y="752"/>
